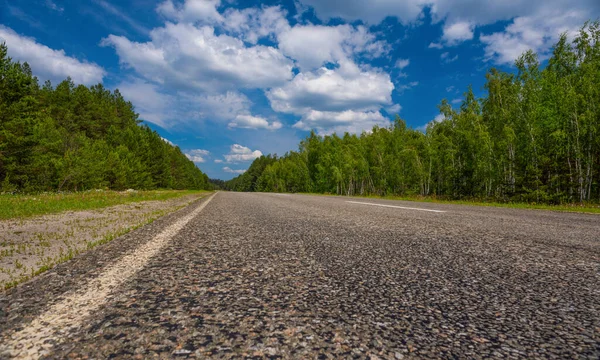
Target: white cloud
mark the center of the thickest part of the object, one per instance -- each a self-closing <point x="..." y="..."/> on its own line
<point x="408" y="86"/>
<point x="121" y="15"/>
<point x="191" y="10"/>
<point x="328" y="122"/>
<point x="227" y="169"/>
<point x="394" y="109"/>
<point x="437" y="119"/>
<point x="52" y="5"/>
<point x="457" y="101"/>
<point x="457" y="32"/>
<point x="47" y="63"/>
<point x="402" y="63"/>
<point x="207" y="50"/>
<point x="463" y="16"/>
<point x="475" y="11"/>
<point x="249" y="24"/>
<point x="167" y="141"/>
<point x="252" y="24"/>
<point x="239" y="153"/>
<point x="254" y="122"/>
<point x="328" y="44"/>
<point x="218" y="161"/>
<point x="345" y="88"/>
<point x="197" y="155"/>
<point x="183" y="56"/>
<point x="537" y="33"/>
<point x="168" y="110"/>
<point x="372" y="12"/>
<point x="435" y="45"/>
<point x="447" y="58"/>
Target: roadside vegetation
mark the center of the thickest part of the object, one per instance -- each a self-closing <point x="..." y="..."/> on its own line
<point x="21" y="206"/>
<point x="32" y="245"/>
<point x="533" y="141"/>
<point x="72" y="137"/>
<point x="590" y="208"/>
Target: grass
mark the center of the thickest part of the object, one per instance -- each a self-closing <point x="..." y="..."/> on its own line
<point x="49" y="262"/>
<point x="22" y="206"/>
<point x="575" y="207"/>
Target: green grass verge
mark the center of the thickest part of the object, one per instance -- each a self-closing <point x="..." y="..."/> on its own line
<point x="22" y="206"/>
<point x="578" y="208"/>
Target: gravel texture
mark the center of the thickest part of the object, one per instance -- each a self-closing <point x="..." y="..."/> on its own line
<point x="26" y="245"/>
<point x="260" y="275"/>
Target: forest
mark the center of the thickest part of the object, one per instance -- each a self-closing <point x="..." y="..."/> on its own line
<point x="70" y="138"/>
<point x="532" y="138"/>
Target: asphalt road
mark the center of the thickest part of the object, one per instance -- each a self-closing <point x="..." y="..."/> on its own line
<point x="295" y="276"/>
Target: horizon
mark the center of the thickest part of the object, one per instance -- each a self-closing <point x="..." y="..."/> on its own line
<point x="230" y="82"/>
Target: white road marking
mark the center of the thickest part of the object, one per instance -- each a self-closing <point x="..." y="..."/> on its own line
<point x="36" y="339"/>
<point x="394" y="206"/>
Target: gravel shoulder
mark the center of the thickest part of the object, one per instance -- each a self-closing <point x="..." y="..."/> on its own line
<point x="32" y="245"/>
<point x="258" y="275"/>
<point x="20" y="304"/>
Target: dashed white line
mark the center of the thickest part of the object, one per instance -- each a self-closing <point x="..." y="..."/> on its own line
<point x="396" y="207"/>
<point x="35" y="339"/>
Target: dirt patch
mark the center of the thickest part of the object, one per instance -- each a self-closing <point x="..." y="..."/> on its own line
<point x="33" y="245"/>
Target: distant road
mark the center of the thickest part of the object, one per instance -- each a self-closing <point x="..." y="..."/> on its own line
<point x="296" y="276"/>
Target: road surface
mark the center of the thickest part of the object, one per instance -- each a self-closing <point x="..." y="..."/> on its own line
<point x="295" y="276"/>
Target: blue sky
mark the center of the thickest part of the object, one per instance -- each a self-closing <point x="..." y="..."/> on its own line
<point x="228" y="80"/>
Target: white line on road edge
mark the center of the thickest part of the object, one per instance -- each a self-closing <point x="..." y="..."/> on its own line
<point x="394" y="206"/>
<point x="69" y="314"/>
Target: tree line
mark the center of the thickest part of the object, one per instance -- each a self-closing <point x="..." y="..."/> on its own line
<point x="72" y="137"/>
<point x="533" y="138"/>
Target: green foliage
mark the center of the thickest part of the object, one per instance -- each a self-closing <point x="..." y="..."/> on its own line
<point x="534" y="139"/>
<point x="76" y="138"/>
<point x="21" y="206"/>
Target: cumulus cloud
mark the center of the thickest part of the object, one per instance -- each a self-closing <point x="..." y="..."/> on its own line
<point x="537" y="33"/>
<point x="168" y="110"/>
<point x="451" y="11"/>
<point x="457" y="32"/>
<point x="239" y="153"/>
<point x="227" y="169"/>
<point x="249" y="24"/>
<point x="328" y="44"/>
<point x="461" y="17"/>
<point x="47" y="63"/>
<point x="191" y="10"/>
<point x="252" y="24"/>
<point x="346" y="88"/>
<point x="372" y="12"/>
<point x="394" y="109"/>
<point x="183" y="56"/>
<point x="402" y="63"/>
<point x="197" y="155"/>
<point x="328" y="122"/>
<point x="254" y="122"/>
<point x="206" y="48"/>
